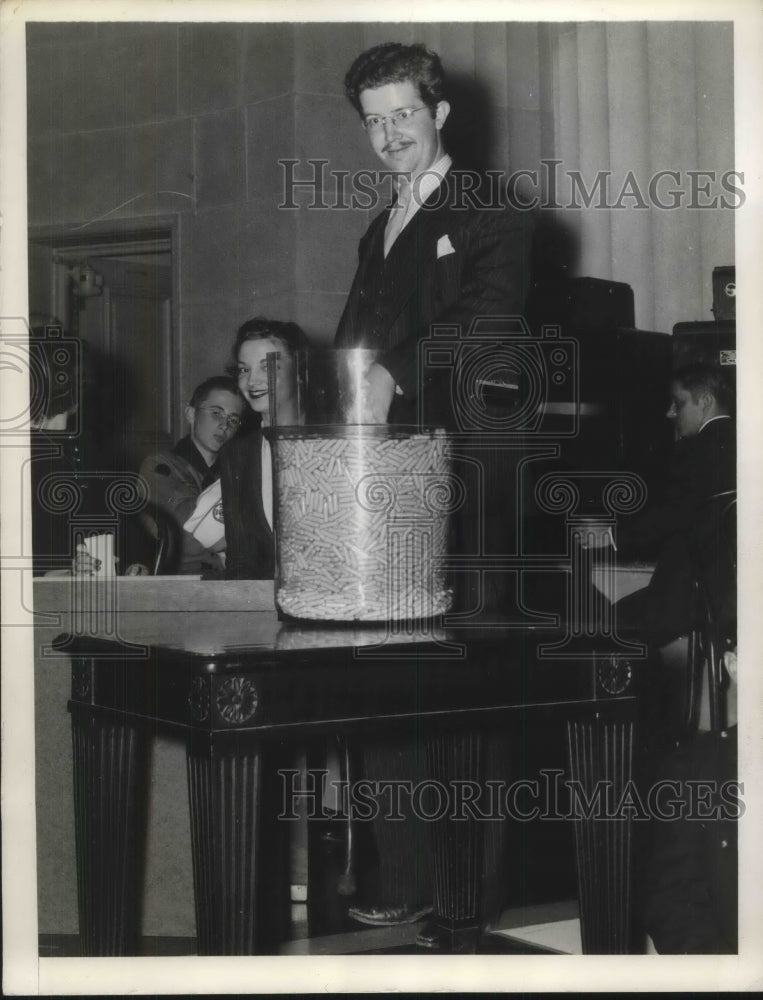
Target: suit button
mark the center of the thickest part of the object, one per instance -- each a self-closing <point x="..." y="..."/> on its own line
<point x="724" y="843"/>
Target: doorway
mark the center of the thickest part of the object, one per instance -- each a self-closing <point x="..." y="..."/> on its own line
<point x="114" y="291"/>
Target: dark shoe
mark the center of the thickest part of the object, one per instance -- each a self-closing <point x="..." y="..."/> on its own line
<point x="429" y="936"/>
<point x="389" y="916"/>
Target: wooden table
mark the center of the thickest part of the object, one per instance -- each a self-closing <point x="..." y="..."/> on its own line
<point x="230" y="683"/>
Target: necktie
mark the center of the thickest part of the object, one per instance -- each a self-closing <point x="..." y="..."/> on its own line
<point x="396" y="217"/>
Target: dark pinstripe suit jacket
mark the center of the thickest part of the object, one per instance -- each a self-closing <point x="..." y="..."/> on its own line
<point x="393" y="303"/>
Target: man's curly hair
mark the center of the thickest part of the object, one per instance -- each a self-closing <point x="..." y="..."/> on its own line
<point x="393" y="62"/>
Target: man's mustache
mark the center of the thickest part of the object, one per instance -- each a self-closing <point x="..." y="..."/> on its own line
<point x="390" y="146"/>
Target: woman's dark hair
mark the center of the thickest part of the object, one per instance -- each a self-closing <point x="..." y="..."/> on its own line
<point x="291" y="336"/>
<point x="393" y="62"/>
<point x="202" y="392"/>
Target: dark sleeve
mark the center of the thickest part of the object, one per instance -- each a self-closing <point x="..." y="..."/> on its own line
<point x="170" y="486"/>
<point x="702" y="466"/>
<point x="249" y="551"/>
<point x="683" y="491"/>
<point x="493" y="282"/>
<point x="229" y="462"/>
<point x="347" y="328"/>
<point x="174" y="488"/>
<point x="652" y="527"/>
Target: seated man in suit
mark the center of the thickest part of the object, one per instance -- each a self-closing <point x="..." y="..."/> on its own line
<point x="176" y="478"/>
<point x="704" y="466"/>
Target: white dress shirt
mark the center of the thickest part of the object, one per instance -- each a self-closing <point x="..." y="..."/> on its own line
<point x="422" y="188"/>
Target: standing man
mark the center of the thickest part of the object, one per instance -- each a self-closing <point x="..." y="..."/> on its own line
<point x="435" y="257"/>
<point x="176" y="478"/>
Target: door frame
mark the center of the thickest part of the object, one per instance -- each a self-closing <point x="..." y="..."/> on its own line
<point x="126" y="237"/>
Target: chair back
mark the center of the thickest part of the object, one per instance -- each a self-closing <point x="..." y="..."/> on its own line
<point x="715" y="550"/>
<point x="163" y="531"/>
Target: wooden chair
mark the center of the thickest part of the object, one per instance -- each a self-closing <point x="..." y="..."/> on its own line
<point x="153" y="541"/>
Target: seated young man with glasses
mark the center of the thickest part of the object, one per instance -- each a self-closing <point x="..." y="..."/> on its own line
<point x="177" y="478"/>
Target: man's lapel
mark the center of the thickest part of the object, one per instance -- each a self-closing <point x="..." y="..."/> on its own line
<point x="375" y="231"/>
<point x="372" y="240"/>
<point x="413" y="255"/>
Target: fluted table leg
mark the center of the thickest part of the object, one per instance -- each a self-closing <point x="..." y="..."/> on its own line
<point x="224" y="793"/>
<point x="457" y="846"/>
<point x="601" y="766"/>
<point x="110" y="790"/>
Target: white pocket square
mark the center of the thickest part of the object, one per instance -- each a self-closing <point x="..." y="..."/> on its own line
<point x="444" y="247"/>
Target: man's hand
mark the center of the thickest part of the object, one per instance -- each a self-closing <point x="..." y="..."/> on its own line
<point x="379" y="391"/>
<point x="84" y="564"/>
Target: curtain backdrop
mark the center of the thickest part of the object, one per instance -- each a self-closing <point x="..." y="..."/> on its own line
<point x="648" y="97"/>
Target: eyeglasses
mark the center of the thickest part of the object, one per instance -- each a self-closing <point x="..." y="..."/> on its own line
<point x="374" y="123"/>
<point x="229" y="419"/>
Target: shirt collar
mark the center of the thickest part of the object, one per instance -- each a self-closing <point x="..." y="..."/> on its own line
<point x="721" y="416"/>
<point x="186" y="449"/>
<point x="430" y="179"/>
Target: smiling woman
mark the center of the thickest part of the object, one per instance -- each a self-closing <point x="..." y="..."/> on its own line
<point x="252" y="375"/>
<point x="246" y="475"/>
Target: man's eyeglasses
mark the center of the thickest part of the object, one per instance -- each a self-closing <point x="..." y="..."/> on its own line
<point x="229" y="419"/>
<point x="374" y="123"/>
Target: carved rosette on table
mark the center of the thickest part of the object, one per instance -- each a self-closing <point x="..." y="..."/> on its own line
<point x="615" y="674"/>
<point x="198" y="699"/>
<point x="236" y="700"/>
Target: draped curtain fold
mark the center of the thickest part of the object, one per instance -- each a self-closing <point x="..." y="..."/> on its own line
<point x="631" y="100"/>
